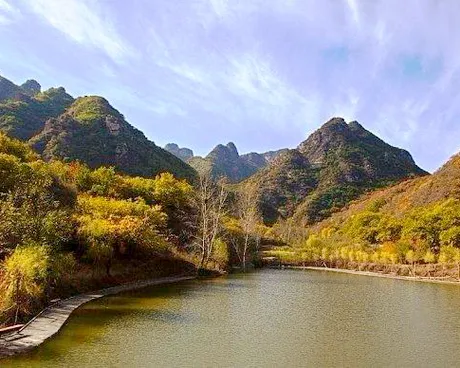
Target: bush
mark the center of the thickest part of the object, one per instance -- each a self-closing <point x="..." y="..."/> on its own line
<point x="24" y="282"/>
<point x="220" y="253"/>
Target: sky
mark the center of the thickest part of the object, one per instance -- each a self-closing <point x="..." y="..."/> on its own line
<point x="261" y="73"/>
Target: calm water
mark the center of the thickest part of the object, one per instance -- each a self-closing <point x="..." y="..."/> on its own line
<point x="263" y="319"/>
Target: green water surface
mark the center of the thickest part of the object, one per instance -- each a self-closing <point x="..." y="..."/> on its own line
<point x="269" y="318"/>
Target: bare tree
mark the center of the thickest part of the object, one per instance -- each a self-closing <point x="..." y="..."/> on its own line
<point x="211" y="200"/>
<point x="249" y="218"/>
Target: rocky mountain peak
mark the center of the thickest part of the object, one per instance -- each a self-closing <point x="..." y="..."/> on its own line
<point x="8" y="90"/>
<point x="231" y="146"/>
<point x="225" y="161"/>
<point x="338" y="161"/>
<point x="355" y="126"/>
<point x="225" y="153"/>
<point x="183" y="153"/>
<point x="255" y="159"/>
<point x="332" y="134"/>
<point x="31" y="87"/>
<point x="171" y="146"/>
<point x="335" y="123"/>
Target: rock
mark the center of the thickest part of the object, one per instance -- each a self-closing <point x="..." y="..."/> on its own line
<point x="184" y="154"/>
<point x="31" y="87"/>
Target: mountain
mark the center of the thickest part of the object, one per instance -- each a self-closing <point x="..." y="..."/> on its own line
<point x="417" y="215"/>
<point x="183" y="153"/>
<point x="8" y="90"/>
<point x="94" y="132"/>
<point x="336" y="164"/>
<point x="410" y="195"/>
<point x="31" y="87"/>
<point x="25" y="109"/>
<point x="271" y="155"/>
<point x="225" y="161"/>
<point x="88" y="129"/>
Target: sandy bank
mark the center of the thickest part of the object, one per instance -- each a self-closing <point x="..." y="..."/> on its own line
<point x="376" y="274"/>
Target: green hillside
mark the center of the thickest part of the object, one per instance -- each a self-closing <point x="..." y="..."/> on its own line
<point x="336" y="164"/>
<point x="87" y="129"/>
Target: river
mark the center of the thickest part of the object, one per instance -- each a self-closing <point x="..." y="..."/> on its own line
<point x="268" y="318"/>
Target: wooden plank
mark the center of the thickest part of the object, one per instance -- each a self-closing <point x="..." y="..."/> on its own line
<point x="10" y="329"/>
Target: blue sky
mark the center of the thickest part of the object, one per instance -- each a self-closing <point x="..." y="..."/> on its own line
<point x="261" y="73"/>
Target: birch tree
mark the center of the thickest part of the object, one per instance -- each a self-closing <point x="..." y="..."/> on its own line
<point x="211" y="199"/>
<point x="249" y="218"/>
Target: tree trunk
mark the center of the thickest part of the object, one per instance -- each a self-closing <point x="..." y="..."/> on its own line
<point x="108" y="266"/>
<point x="16" y="316"/>
<point x="18" y="283"/>
<point x="203" y="258"/>
<point x="245" y="250"/>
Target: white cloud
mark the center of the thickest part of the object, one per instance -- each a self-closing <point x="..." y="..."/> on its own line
<point x="265" y="60"/>
<point x="353" y="6"/>
<point x="6" y="7"/>
<point x="220" y="7"/>
<point x="246" y="85"/>
<point x="278" y="64"/>
<point x="8" y="13"/>
<point x="83" y="22"/>
<point x="258" y="85"/>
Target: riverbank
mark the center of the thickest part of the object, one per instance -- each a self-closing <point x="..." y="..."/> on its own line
<point x="375" y="274"/>
<point x="48" y="322"/>
<point x="84" y="278"/>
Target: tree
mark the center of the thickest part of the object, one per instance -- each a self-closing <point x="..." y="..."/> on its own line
<point x="249" y="218"/>
<point x="325" y="256"/>
<point x="103" y="180"/>
<point x="111" y="227"/>
<point x="211" y="199"/>
<point x="334" y="256"/>
<point x="15" y="147"/>
<point x="24" y="279"/>
<point x="344" y="256"/>
<point x="174" y="196"/>
<point x="220" y="253"/>
<point x="31" y="212"/>
<point x="362" y="258"/>
<point x="451" y="236"/>
<point x="456" y="257"/>
<point x="412" y="258"/>
<point x="385" y="259"/>
<point x="363" y="226"/>
<point x="375" y="257"/>
<point x="445" y="257"/>
<point x="351" y="256"/>
<point x="429" y="258"/>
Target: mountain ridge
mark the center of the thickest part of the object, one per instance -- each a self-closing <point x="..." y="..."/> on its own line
<point x="225" y="161"/>
<point x="333" y="166"/>
<point x="87" y="128"/>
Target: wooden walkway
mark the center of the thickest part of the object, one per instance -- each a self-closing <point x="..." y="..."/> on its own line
<point x="50" y="320"/>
